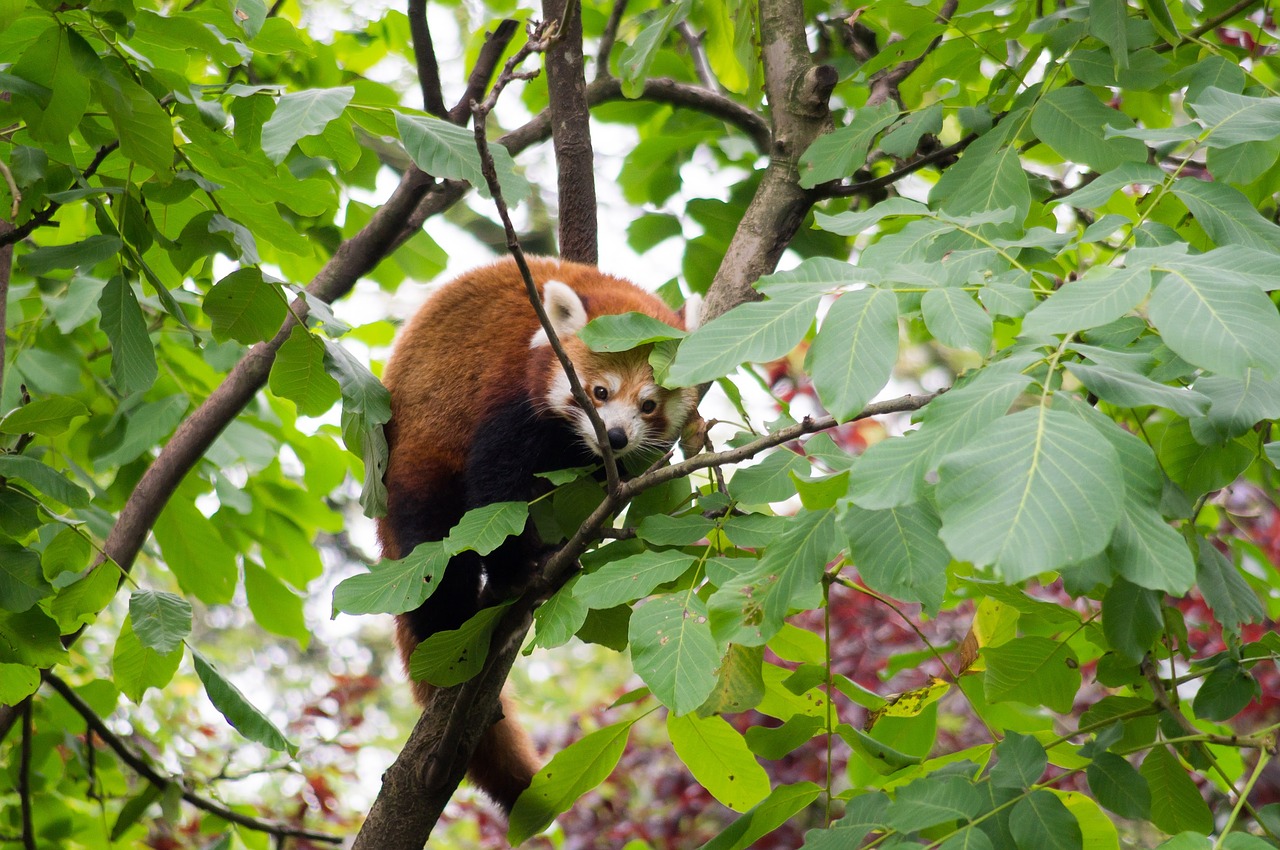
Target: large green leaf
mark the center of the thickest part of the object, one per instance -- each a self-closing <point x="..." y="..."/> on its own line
<point x="718" y="758"/>
<point x="1038" y="490"/>
<point x="844" y="150"/>
<point x="143" y="127"/>
<point x="1233" y="119"/>
<point x="46" y="417"/>
<point x="136" y="667"/>
<point x="898" y="553"/>
<point x="673" y="651"/>
<point x="445" y="150"/>
<point x="244" y="307"/>
<point x="572" y="772"/>
<point x="1032" y="670"/>
<point x="854" y="352"/>
<point x="1071" y="121"/>
<point x="133" y="360"/>
<point x="1227" y="215"/>
<point x="1119" y="786"/>
<point x="484" y="529"/>
<point x="198" y="555"/>
<point x="160" y="620"/>
<point x="236" y="708"/>
<point x="633" y="65"/>
<point x="298" y="374"/>
<point x="1041" y="820"/>
<point x="932" y="801"/>
<point x="454" y="656"/>
<point x="301" y="113"/>
<point x="21" y="583"/>
<point x="782" y="804"/>
<point x="393" y="587"/>
<point x="44" y="479"/>
<point x="1237" y="405"/>
<point x="956" y="319"/>
<point x="1102" y="295"/>
<point x="1217" y="323"/>
<point x="1131" y="389"/>
<point x="628" y="579"/>
<point x="1176" y="804"/>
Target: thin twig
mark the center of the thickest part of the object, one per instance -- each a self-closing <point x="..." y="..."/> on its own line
<point x="608" y="38"/>
<point x="884" y="86"/>
<point x="699" y="56"/>
<point x="495" y="44"/>
<point x="14" y="193"/>
<point x="145" y="770"/>
<point x="846" y="190"/>
<point x="537" y="41"/>
<point x="6" y="270"/>
<point x="1211" y="24"/>
<point x="45" y="215"/>
<point x="424" y="53"/>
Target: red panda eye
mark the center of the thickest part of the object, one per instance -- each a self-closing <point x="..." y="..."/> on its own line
<point x="601" y="394"/>
<point x="649" y="406"/>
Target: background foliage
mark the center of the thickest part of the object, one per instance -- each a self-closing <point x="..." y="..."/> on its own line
<point x="1043" y="616"/>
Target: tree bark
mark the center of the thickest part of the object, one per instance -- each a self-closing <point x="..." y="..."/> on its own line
<point x="571" y="133"/>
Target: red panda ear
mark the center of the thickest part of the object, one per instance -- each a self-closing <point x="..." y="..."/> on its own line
<point x="565" y="309"/>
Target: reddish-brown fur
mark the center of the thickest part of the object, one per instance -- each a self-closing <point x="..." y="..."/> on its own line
<point x="463" y="356"/>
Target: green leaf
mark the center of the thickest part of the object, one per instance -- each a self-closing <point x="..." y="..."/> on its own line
<point x="719" y="759"/>
<point x="559" y="618"/>
<point x="143" y="127"/>
<point x="1130" y="389"/>
<point x="625" y="331"/>
<point x="45" y="417"/>
<point x="839" y="153"/>
<point x="1198" y="468"/>
<point x="1147" y="551"/>
<point x="484" y="529"/>
<point x="1232" y="599"/>
<point x="663" y="530"/>
<point x="1225" y="692"/>
<point x="1162" y="21"/>
<point x="1032" y="670"/>
<point x="862" y="814"/>
<point x="1071" y="120"/>
<point x="393" y="587"/>
<point x="572" y="772"/>
<point x="22" y="584"/>
<point x="1022" y="760"/>
<point x="1227" y="215"/>
<point x="956" y="320"/>
<point x="1233" y="119"/>
<point x="1131" y="619"/>
<point x="1176" y="804"/>
<point x="988" y="177"/>
<point x="135" y="668"/>
<point x="17" y="682"/>
<point x="196" y="552"/>
<point x="1018" y="497"/>
<point x="160" y="620"/>
<point x="673" y="651"/>
<point x="852" y="356"/>
<point x="898" y="553"/>
<point x="133" y="360"/>
<point x="68" y="552"/>
<point x="782" y="804"/>
<point x="44" y="479"/>
<point x="755" y="332"/>
<point x="1216" y="323"/>
<point x="932" y="801"/>
<point x="451" y="657"/>
<point x="30" y="637"/>
<point x="750" y="608"/>
<point x="1237" y="405"/>
<point x="1041" y="820"/>
<point x="244" y="307"/>
<point x="446" y="150"/>
<point x="637" y="57"/>
<point x="145" y="427"/>
<point x="79" y="603"/>
<point x="739" y="683"/>
<point x="82" y="255"/>
<point x="237" y="710"/>
<point x="298" y="374"/>
<point x="1102" y="295"/>
<point x="302" y="113"/>
<point x="853" y="222"/>
<point x="628" y="579"/>
<point x="1119" y="786"/>
<point x="274" y="606"/>
<point x="769" y="480"/>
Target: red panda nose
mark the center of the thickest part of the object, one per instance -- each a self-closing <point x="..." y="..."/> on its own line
<point x="617" y="439"/>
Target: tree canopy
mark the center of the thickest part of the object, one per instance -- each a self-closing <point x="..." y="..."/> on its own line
<point x="982" y="550"/>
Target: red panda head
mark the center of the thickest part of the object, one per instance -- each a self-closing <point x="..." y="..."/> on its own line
<point x="637" y="412"/>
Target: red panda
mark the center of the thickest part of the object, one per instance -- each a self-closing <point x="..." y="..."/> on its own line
<point x="479" y="404"/>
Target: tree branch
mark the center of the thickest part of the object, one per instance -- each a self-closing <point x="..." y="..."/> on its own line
<point x="424" y="53"/>
<point x="884" y="86"/>
<point x="6" y="269"/>
<point x="571" y="133"/>
<point x="699" y="56"/>
<point x="608" y="38"/>
<point x="145" y="770"/>
<point x="486" y="64"/>
<point x="846" y="190"/>
<point x="798" y="92"/>
<point x="24" y="779"/>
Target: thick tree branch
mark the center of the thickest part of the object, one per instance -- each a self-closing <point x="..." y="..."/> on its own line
<point x="798" y="93"/>
<point x="424" y="53"/>
<point x="144" y="769"/>
<point x="571" y="133"/>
